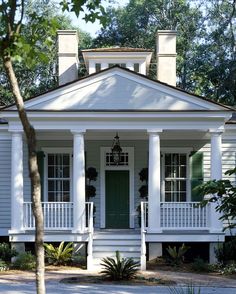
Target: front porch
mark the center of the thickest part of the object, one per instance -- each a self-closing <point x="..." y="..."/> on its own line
<point x="71" y="216"/>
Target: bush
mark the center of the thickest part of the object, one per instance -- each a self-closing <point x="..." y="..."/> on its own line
<point x="6" y="252"/>
<point x="229" y="269"/>
<point x="59" y="255"/>
<point x="119" y="268"/>
<point x="176" y="256"/>
<point x="3" y="266"/>
<point x="199" y="265"/>
<point x="226" y="252"/>
<point x="79" y="260"/>
<point x="25" y="261"/>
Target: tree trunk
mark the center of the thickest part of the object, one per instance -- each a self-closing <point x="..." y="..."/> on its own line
<point x="33" y="173"/>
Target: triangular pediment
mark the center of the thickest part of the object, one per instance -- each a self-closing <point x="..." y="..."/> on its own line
<point x="118" y="89"/>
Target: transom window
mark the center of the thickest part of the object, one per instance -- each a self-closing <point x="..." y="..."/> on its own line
<point x="58" y="177"/>
<point x="124" y="159"/>
<point x="175" y="177"/>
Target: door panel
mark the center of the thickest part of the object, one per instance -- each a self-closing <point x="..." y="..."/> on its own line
<point x="117" y="199"/>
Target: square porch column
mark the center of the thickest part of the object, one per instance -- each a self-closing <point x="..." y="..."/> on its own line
<point x="154" y="182"/>
<point x="16" y="181"/>
<point x="78" y="181"/>
<point x="216" y="225"/>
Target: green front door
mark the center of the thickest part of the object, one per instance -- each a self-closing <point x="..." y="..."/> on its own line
<point x="117" y="199"/>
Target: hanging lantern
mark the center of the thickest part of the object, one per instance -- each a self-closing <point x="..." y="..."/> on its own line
<point x="116" y="150"/>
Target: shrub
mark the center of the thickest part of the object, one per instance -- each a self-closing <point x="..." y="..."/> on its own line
<point x="226" y="252"/>
<point x="79" y="260"/>
<point x="199" y="265"/>
<point x="59" y="255"/>
<point x="25" y="261"/>
<point x="176" y="256"/>
<point x="6" y="252"/>
<point x="119" y="268"/>
<point x="3" y="266"/>
<point x="229" y="269"/>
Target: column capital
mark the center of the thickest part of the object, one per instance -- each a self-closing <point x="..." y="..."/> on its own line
<point x="154" y="131"/>
<point x="216" y="131"/>
<point x="78" y="131"/>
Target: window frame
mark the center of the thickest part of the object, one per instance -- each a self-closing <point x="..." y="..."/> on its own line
<point x="51" y="150"/>
<point x="185" y="151"/>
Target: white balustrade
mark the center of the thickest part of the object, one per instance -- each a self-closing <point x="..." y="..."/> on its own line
<point x="144" y="219"/>
<point x="57" y="215"/>
<point x="182" y="215"/>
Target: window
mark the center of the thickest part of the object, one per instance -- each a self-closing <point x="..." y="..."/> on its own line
<point x="58" y="177"/>
<point x="136" y="67"/>
<point x="97" y="67"/>
<point x="120" y="64"/>
<point x="124" y="159"/>
<point x="175" y="177"/>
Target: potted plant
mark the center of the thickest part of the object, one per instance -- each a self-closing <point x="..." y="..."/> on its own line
<point x="143" y="190"/>
<point x="91" y="175"/>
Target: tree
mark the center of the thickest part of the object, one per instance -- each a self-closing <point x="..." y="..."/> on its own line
<point x="15" y="47"/>
<point x="135" y="26"/>
<point x="205" y="43"/>
<point x="39" y="77"/>
<point x="223" y="192"/>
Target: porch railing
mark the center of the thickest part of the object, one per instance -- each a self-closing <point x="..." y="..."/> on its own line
<point x="57" y="215"/>
<point x="182" y="215"/>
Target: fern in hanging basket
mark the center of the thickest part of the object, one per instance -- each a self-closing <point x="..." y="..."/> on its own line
<point x="143" y="175"/>
<point x="143" y="191"/>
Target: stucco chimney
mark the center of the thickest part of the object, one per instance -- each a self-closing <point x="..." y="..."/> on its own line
<point x="166" y="56"/>
<point x="67" y="56"/>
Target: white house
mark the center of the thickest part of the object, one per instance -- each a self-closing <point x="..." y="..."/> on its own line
<point x="182" y="138"/>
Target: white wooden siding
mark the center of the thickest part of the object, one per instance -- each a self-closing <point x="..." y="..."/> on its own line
<point x="5" y="184"/>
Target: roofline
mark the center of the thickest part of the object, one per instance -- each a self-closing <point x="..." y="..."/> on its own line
<point x="134" y="73"/>
<point x="118" y="49"/>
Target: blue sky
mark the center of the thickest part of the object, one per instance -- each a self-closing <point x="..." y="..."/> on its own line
<point x="92" y="28"/>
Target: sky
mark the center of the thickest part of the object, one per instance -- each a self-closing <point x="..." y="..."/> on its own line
<point x="93" y="28"/>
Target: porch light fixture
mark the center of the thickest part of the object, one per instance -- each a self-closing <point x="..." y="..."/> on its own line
<point x="116" y="149"/>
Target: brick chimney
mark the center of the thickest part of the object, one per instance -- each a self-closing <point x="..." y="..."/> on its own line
<point x="67" y="56"/>
<point x="166" y="56"/>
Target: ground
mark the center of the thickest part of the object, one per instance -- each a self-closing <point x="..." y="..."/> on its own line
<point x="55" y="274"/>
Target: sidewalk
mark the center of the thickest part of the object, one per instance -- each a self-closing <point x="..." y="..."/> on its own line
<point x="181" y="278"/>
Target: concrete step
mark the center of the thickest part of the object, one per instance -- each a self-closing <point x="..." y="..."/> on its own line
<point x="102" y="254"/>
<point x="114" y="248"/>
<point x="134" y="242"/>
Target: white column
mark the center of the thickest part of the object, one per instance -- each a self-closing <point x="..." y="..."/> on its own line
<point x="216" y="155"/>
<point x="78" y="181"/>
<point x="92" y="67"/>
<point x="216" y="174"/>
<point x="154" y="182"/>
<point x="130" y="65"/>
<point x="16" y="181"/>
<point x="104" y="65"/>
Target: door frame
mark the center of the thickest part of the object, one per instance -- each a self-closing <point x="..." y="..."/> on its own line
<point x="103" y="168"/>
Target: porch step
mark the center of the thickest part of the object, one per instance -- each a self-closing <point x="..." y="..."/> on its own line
<point x="107" y="242"/>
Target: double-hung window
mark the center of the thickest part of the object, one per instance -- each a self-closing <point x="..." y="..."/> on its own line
<point x="175" y="174"/>
<point x="58" y="177"/>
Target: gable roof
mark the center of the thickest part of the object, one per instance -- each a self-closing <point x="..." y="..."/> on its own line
<point x="119" y="89"/>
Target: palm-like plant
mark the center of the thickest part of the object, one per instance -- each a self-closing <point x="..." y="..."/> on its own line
<point x="59" y="255"/>
<point x="119" y="268"/>
<point x="177" y="255"/>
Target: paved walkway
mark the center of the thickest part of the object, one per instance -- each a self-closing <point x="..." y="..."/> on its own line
<point x="23" y="283"/>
